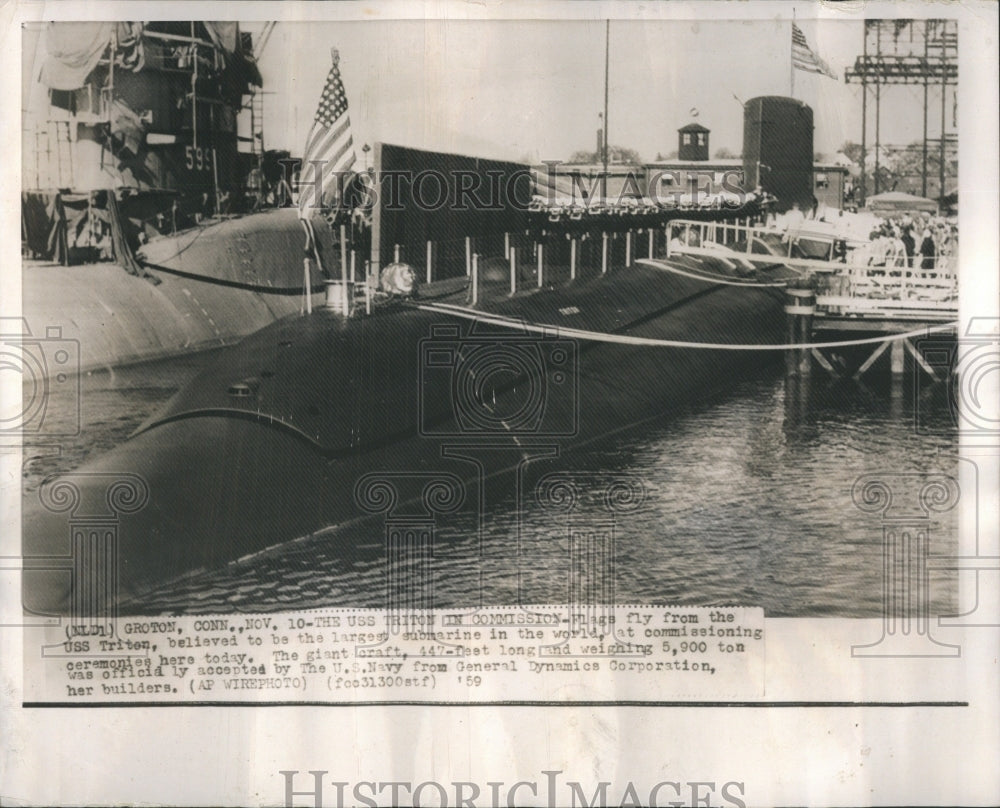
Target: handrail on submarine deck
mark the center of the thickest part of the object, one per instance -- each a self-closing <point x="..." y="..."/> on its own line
<point x="344" y="292"/>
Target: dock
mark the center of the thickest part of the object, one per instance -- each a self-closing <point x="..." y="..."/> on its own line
<point x="845" y="315"/>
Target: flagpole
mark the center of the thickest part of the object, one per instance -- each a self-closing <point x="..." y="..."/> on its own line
<point x="604" y="144"/>
<point x="791" y="59"/>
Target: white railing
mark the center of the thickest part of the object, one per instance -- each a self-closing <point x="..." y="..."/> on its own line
<point x="696" y="237"/>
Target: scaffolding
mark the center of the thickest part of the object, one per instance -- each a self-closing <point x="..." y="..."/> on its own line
<point x="914" y="52"/>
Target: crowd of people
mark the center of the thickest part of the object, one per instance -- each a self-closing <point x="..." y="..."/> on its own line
<point x="919" y="241"/>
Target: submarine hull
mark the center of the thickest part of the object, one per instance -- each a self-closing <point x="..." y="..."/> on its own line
<point x="205" y="287"/>
<point x="271" y="442"/>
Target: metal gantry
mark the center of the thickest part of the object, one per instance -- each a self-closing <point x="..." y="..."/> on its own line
<point x="914" y="52"/>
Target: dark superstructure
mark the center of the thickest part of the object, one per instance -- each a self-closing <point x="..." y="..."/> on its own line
<point x="149" y="110"/>
<point x="144" y="178"/>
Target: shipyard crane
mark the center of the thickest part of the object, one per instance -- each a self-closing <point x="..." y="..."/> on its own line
<point x="265" y="35"/>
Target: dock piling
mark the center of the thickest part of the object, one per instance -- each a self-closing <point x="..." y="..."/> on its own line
<point x="800" y="306"/>
<point x="896" y="356"/>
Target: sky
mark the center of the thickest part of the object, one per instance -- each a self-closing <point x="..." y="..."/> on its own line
<point x="516" y="89"/>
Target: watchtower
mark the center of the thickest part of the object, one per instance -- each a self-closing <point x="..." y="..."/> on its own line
<point x="692" y="142"/>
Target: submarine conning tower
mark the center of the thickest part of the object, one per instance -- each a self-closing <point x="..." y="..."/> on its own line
<point x="778" y="149"/>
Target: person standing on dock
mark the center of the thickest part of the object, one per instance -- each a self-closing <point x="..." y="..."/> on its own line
<point x="927" y="250"/>
<point x="909" y="244"/>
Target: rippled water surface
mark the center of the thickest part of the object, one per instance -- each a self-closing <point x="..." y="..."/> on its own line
<point x="743" y="499"/>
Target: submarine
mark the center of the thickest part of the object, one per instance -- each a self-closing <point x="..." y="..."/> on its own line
<point x="275" y="438"/>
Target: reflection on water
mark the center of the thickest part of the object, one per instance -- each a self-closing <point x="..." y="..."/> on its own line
<point x="745" y="500"/>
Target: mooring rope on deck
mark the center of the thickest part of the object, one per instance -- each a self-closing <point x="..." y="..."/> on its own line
<point x="624" y="339"/>
<point x="657" y="264"/>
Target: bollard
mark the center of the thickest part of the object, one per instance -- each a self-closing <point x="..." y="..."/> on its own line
<point x="572" y="259"/>
<point x="336" y="296"/>
<point x="512" y="257"/>
<point x="430" y="256"/>
<point x="651" y="242"/>
<point x="468" y="255"/>
<point x="541" y="265"/>
<point x="604" y="253"/>
<point x="475" y="279"/>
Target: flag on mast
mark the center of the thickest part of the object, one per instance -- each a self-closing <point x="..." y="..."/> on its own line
<point x="804" y="58"/>
<point x="329" y="140"/>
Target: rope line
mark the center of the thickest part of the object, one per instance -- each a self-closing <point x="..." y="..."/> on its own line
<point x="623" y="339"/>
<point x="721" y="281"/>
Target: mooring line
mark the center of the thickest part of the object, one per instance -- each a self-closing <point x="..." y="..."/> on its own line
<point x="624" y="339"/>
<point x="657" y="264"/>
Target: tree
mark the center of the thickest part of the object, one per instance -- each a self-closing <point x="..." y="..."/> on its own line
<point x="852" y="151"/>
<point x="725" y="154"/>
<point x="901" y="168"/>
<point x="616" y="154"/>
<point x="904" y="170"/>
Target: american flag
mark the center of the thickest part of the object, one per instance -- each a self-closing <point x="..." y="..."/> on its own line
<point x="803" y="57"/>
<point x="329" y="140"/>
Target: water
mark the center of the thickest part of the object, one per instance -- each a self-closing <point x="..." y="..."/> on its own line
<point x="745" y="499"/>
<point x="95" y="411"/>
